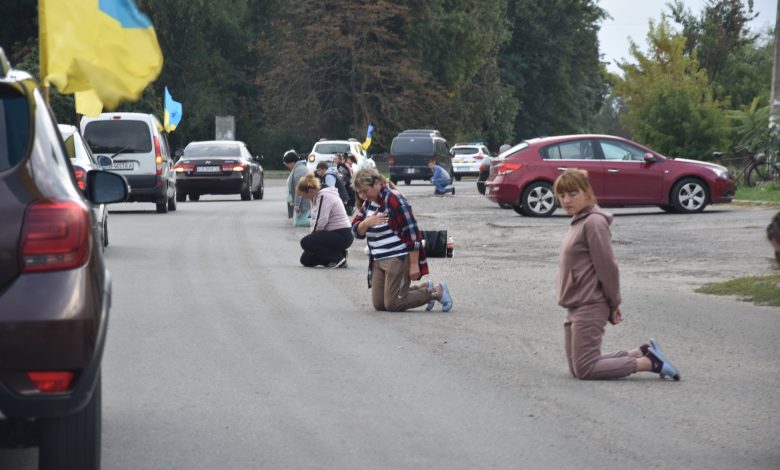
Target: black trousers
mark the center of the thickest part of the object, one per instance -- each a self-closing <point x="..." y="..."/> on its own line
<point x="325" y="246"/>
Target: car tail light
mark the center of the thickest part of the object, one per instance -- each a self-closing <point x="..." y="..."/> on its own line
<point x="56" y="235"/>
<point x="157" y="155"/>
<point x="81" y="177"/>
<point x="478" y="157"/>
<point x="232" y="167"/>
<point x="312" y="158"/>
<point x="50" y="382"/>
<point x="507" y="168"/>
<point x="182" y="167"/>
<point x="391" y="160"/>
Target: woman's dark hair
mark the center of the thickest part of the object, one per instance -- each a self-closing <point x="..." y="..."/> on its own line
<point x="773" y="229"/>
<point x="290" y="156"/>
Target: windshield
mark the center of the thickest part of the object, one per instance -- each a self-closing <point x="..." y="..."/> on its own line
<point x="211" y="150"/>
<point x="118" y="135"/>
<point x="331" y="148"/>
<point x="412" y="145"/>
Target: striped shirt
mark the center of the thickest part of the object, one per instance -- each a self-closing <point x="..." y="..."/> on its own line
<point x="383" y="243"/>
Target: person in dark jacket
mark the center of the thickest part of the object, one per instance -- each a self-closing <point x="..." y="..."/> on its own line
<point x="330" y="177"/>
<point x="773" y="235"/>
<point x="589" y="289"/>
<point x="345" y="175"/>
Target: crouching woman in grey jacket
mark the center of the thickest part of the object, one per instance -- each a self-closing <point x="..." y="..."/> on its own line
<point x="331" y="232"/>
<point x="589" y="290"/>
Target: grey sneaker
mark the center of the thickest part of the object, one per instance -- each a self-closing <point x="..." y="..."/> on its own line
<point x="342" y="263"/>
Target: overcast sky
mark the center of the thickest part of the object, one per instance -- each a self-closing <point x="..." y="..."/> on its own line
<point x="629" y="20"/>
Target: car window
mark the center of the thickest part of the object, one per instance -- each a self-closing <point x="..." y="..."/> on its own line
<point x="112" y="136"/>
<point x="441" y="148"/>
<point x="464" y="150"/>
<point x="615" y="150"/>
<point x="14" y="129"/>
<point x="331" y="148"/>
<point x="212" y="150"/>
<point x="572" y="150"/>
<point x="412" y="145"/>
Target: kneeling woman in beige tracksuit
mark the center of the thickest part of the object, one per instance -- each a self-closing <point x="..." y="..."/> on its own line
<point x="589" y="289"/>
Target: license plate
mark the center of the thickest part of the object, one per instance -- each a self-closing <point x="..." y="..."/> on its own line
<point x="461" y="168"/>
<point x="122" y="166"/>
<point x="209" y="169"/>
<point x="411" y="170"/>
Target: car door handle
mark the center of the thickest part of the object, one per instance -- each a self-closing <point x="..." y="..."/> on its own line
<point x="562" y="168"/>
<point x="612" y="170"/>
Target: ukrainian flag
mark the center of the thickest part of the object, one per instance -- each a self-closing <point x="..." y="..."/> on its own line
<point x="369" y="131"/>
<point x="171" y="112"/>
<point x="106" y="46"/>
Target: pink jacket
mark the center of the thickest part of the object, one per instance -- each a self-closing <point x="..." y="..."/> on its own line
<point x="327" y="211"/>
<point x="588" y="272"/>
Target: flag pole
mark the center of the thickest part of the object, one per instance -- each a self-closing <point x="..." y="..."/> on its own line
<point x="43" y="70"/>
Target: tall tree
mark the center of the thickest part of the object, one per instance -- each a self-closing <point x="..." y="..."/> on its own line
<point x="668" y="97"/>
<point x="552" y="65"/>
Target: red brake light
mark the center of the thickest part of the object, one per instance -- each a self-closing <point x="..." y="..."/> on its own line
<point x="49" y="382"/>
<point x="478" y="156"/>
<point x="81" y="177"/>
<point x="508" y="167"/>
<point x="391" y="160"/>
<point x="232" y="167"/>
<point x="157" y="155"/>
<point x="56" y="235"/>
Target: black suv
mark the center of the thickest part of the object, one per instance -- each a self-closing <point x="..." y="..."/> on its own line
<point x="411" y="151"/>
<point x="55" y="291"/>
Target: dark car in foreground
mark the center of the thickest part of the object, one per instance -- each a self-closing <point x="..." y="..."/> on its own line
<point x="622" y="173"/>
<point x="219" y="167"/>
<point x="55" y="290"/>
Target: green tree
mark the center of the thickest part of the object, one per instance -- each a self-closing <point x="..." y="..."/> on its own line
<point x="552" y="65"/>
<point x="668" y="98"/>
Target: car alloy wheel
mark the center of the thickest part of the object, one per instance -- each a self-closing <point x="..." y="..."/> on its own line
<point x="538" y="200"/>
<point x="689" y="195"/>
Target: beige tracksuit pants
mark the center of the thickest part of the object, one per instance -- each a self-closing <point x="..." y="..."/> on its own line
<point x="390" y="288"/>
<point x="584" y="329"/>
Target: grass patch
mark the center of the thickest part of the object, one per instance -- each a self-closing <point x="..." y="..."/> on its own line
<point x="761" y="290"/>
<point x="767" y="193"/>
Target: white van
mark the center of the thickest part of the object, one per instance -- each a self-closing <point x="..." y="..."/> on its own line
<point x="140" y="153"/>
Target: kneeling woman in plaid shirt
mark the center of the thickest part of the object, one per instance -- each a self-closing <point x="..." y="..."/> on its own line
<point x="396" y="254"/>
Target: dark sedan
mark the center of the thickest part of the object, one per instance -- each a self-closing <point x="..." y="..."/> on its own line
<point x="218" y="167"/>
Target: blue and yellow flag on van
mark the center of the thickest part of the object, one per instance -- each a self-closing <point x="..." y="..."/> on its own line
<point x="106" y="46"/>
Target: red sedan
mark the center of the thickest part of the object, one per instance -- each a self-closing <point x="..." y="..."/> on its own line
<point x="622" y="173"/>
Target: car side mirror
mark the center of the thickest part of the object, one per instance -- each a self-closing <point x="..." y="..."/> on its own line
<point x="105" y="161"/>
<point x="650" y="158"/>
<point x="104" y="187"/>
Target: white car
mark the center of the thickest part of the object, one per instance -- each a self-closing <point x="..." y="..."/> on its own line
<point x="325" y="149"/>
<point x="467" y="158"/>
<point x="82" y="160"/>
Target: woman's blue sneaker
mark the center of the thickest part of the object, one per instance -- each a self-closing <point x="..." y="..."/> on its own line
<point x="446" y="298"/>
<point x="431" y="302"/>
<point x="666" y="367"/>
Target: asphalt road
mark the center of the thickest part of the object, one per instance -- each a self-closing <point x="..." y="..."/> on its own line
<point x="224" y="353"/>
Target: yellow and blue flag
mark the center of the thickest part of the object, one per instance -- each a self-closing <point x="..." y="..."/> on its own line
<point x="106" y="46"/>
<point x="171" y="112"/>
<point x="369" y="131"/>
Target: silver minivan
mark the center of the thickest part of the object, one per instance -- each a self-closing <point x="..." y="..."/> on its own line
<point x="139" y="149"/>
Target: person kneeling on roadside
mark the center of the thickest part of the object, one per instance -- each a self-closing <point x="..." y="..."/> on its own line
<point x="330" y="235"/>
<point x="440" y="179"/>
<point x="773" y="235"/>
<point x="396" y="253"/>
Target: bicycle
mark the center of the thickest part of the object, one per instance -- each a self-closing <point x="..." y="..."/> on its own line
<point x="755" y="168"/>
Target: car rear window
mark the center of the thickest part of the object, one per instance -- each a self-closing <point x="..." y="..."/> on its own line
<point x="14" y="129"/>
<point x="331" y="148"/>
<point x="412" y="145"/>
<point x="124" y="135"/>
<point x="465" y="150"/>
<point x="212" y="150"/>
